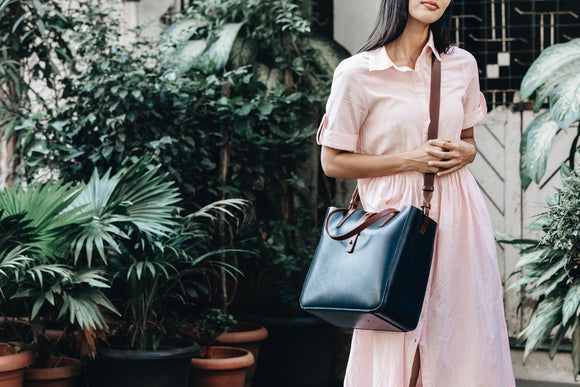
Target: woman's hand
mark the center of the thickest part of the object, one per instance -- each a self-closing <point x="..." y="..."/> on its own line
<point x="454" y="154"/>
<point x="427" y="157"/>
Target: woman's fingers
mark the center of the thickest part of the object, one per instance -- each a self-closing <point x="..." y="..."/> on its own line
<point x="447" y="144"/>
<point x="444" y="164"/>
<point x="438" y="153"/>
<point x="450" y="170"/>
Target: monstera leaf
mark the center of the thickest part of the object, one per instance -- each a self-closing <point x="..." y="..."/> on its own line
<point x="554" y="75"/>
<point x="188" y="51"/>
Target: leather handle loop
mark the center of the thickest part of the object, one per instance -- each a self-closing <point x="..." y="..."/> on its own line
<point x="369" y="219"/>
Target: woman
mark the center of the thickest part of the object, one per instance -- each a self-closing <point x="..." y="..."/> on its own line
<point x="375" y="130"/>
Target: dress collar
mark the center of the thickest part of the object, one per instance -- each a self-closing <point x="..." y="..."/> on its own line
<point x="379" y="59"/>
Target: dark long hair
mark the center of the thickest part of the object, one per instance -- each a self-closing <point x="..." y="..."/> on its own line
<point x="393" y="19"/>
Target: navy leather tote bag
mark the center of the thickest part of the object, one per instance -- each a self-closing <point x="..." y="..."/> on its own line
<point x="375" y="275"/>
<point x="370" y="270"/>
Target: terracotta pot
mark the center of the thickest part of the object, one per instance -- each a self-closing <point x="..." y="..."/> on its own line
<point x="223" y="367"/>
<point x="63" y="372"/>
<point x="247" y="335"/>
<point x="12" y="365"/>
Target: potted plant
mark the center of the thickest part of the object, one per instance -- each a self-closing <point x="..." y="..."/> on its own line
<point x="216" y="366"/>
<point x="45" y="287"/>
<point x="13" y="359"/>
<point x="246" y="335"/>
<point x="550" y="271"/>
<point x="153" y="257"/>
<point x="549" y="265"/>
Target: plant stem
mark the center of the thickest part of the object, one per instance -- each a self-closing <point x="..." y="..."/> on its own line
<point x="224" y="165"/>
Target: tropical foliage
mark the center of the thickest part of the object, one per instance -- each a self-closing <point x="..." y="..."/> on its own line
<point x="273" y="42"/>
<point x="551" y="270"/>
<point x="34" y="56"/>
<point x="152" y="261"/>
<point x="37" y="281"/>
<point x="554" y="75"/>
<point x="227" y="102"/>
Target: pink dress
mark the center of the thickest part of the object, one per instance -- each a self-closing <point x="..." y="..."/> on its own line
<point x="376" y="107"/>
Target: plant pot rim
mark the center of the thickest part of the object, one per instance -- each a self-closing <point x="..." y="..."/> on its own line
<point x="15" y="361"/>
<point x="243" y="332"/>
<point x="71" y="367"/>
<point x="172" y="348"/>
<point x="229" y="358"/>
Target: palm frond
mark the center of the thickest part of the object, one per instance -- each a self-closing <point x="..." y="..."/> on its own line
<point x="46" y="209"/>
<point x="136" y="199"/>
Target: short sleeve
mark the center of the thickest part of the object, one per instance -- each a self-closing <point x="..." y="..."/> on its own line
<point x="474" y="105"/>
<point x="345" y="110"/>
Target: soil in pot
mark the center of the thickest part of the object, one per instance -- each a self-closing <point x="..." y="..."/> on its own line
<point x="220" y="367"/>
<point x="247" y="335"/>
<point x="12" y="365"/>
<point x="62" y="372"/>
<point x="120" y="366"/>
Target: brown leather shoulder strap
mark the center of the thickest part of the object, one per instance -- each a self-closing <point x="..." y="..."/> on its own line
<point x="434" y="103"/>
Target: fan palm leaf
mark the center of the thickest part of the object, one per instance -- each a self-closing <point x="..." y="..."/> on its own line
<point x="45" y="209"/>
<point x="136" y="199"/>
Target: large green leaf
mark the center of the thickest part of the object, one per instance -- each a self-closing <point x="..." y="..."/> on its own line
<point x="541" y="324"/>
<point x="271" y="77"/>
<point x="565" y="101"/>
<point x="562" y="72"/>
<point x="548" y="63"/>
<point x="539" y="138"/>
<point x="243" y="53"/>
<point x="524" y="175"/>
<point x="558" y="336"/>
<point x="217" y="55"/>
<point x="187" y="56"/>
<point x="181" y="31"/>
<point x="557" y="265"/>
<point x="571" y="302"/>
<point x="532" y="257"/>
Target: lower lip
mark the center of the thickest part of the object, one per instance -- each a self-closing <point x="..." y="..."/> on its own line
<point x="432" y="7"/>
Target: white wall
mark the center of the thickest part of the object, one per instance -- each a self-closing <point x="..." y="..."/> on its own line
<point x="147" y="13"/>
<point x="353" y="21"/>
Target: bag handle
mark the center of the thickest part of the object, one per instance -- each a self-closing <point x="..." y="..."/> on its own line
<point x="365" y="221"/>
<point x="429" y="178"/>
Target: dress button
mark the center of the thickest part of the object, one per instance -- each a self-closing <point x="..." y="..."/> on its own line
<point x="422" y="343"/>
